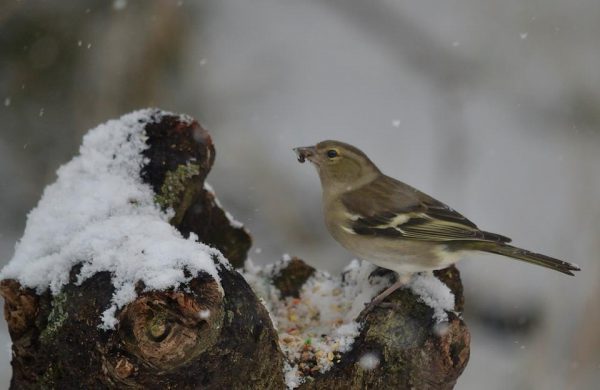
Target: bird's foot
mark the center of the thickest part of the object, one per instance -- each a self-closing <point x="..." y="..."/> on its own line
<point x="372" y="305"/>
<point x="365" y="312"/>
<point x="378" y="300"/>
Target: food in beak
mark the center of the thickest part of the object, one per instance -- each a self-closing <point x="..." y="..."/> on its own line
<point x="303" y="153"/>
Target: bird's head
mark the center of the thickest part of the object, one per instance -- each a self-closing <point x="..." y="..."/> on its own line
<point x="340" y="166"/>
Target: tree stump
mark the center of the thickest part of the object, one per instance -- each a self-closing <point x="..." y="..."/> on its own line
<point x="164" y="340"/>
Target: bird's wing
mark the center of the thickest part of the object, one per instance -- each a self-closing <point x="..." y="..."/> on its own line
<point x="389" y="208"/>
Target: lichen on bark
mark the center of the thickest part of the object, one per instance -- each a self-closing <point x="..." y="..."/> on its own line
<point x="57" y="317"/>
<point x="177" y="191"/>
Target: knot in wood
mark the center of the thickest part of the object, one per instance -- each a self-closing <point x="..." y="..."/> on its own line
<point x="167" y="329"/>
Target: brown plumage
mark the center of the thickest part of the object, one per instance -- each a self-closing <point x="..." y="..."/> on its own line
<point x="395" y="225"/>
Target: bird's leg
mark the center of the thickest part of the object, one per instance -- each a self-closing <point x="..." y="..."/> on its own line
<point x="400" y="281"/>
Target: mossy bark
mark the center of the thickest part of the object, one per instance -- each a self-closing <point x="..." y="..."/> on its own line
<point x="161" y="341"/>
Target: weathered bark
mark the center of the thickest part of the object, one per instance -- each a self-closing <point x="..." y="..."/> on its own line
<point x="161" y="341"/>
<point x="414" y="352"/>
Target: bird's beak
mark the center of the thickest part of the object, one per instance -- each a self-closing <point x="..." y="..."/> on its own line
<point x="305" y="153"/>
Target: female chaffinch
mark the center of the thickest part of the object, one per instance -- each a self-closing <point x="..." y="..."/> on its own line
<point x="394" y="225"/>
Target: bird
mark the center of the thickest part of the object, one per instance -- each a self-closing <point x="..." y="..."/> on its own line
<point x="395" y="226"/>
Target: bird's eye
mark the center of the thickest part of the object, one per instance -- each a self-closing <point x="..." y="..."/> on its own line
<point x="332" y="153"/>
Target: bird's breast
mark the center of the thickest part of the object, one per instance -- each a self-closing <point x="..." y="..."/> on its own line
<point x="397" y="254"/>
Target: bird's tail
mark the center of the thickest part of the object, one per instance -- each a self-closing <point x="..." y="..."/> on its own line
<point x="527" y="256"/>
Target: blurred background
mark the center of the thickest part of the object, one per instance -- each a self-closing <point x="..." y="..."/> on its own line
<point x="492" y="107"/>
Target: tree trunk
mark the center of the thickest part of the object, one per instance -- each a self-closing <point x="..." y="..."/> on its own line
<point x="162" y="342"/>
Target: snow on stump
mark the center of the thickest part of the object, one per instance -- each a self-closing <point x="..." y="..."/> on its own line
<point x="125" y="278"/>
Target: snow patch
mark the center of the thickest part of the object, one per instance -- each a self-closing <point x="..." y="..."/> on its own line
<point x="369" y="361"/>
<point x="101" y="215"/>
<point x="292" y="376"/>
<point x="318" y="327"/>
<point x="433" y="293"/>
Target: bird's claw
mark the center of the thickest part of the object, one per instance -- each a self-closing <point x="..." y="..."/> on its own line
<point x="372" y="305"/>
